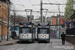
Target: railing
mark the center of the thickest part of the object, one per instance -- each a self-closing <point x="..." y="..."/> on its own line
<point x="70" y="31"/>
<point x="70" y="39"/>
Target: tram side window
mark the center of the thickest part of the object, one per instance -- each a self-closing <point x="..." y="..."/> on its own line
<point x="44" y="31"/>
<point x="25" y="30"/>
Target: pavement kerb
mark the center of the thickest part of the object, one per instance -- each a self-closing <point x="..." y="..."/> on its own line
<point x="8" y="42"/>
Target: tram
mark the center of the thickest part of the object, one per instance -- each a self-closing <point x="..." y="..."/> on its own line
<point x="43" y="32"/>
<point x="26" y="31"/>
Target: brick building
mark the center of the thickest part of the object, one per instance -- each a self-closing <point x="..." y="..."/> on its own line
<point x="3" y="17"/>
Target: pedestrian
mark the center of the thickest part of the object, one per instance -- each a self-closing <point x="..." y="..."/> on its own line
<point x="63" y="38"/>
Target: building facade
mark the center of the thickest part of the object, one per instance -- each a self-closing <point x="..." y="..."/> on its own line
<point x="3" y="18"/>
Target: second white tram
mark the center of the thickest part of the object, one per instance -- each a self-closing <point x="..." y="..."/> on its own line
<point x="43" y="33"/>
<point x="26" y="31"/>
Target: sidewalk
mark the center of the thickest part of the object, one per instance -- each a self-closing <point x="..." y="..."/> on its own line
<point x="8" y="42"/>
<point x="57" y="45"/>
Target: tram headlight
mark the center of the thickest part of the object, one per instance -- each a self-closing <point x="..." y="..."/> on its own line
<point x="23" y="26"/>
<point x="40" y="35"/>
<point x="45" y="35"/>
<point x="22" y="35"/>
<point x="27" y="34"/>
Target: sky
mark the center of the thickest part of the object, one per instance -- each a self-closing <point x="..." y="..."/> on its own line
<point x="35" y="6"/>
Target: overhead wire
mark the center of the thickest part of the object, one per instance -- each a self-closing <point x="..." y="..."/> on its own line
<point x="32" y="4"/>
<point x="21" y="4"/>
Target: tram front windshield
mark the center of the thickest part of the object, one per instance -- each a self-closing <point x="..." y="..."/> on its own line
<point x="43" y="31"/>
<point x="25" y="30"/>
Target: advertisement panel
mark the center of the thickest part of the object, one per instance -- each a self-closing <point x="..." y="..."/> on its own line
<point x="16" y="30"/>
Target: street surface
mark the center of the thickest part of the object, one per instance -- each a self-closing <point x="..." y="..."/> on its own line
<point x="55" y="44"/>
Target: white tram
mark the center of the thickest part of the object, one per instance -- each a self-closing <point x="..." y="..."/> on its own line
<point x="43" y="33"/>
<point x="26" y="31"/>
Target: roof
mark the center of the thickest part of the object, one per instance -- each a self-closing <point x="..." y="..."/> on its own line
<point x="25" y="22"/>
